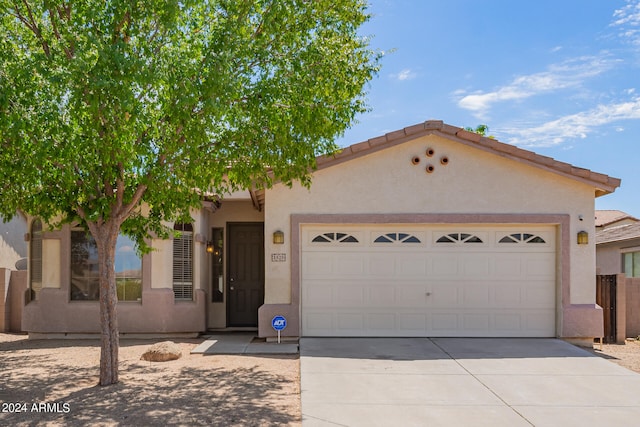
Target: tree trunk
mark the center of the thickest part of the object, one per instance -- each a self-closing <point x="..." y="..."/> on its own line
<point x="106" y="236"/>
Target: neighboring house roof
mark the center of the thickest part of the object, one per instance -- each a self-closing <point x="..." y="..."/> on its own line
<point x="603" y="184"/>
<point x="616" y="234"/>
<point x="606" y="217"/>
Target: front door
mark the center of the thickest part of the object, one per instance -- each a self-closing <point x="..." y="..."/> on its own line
<point x="245" y="273"/>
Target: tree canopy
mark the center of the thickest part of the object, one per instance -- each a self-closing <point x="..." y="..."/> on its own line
<point x="113" y="103"/>
<point x="106" y="106"/>
<point x="480" y="130"/>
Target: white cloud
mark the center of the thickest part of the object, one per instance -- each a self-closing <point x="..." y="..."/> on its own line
<point x="627" y="19"/>
<point x="406" y="74"/>
<point x="574" y="126"/>
<point x="125" y="249"/>
<point x="571" y="73"/>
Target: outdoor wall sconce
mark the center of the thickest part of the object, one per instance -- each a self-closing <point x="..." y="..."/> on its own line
<point x="278" y="237"/>
<point x="209" y="247"/>
<point x="583" y="238"/>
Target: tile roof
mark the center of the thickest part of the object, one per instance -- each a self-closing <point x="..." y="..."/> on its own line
<point x="602" y="183"/>
<point x="605" y="217"/>
<point x="616" y="234"/>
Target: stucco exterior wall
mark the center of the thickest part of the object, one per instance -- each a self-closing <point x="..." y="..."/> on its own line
<point x="473" y="182"/>
<point x="632" y="306"/>
<point x="5" y="300"/>
<point x="608" y="259"/>
<point x="53" y="312"/>
<point x="18" y="286"/>
<point x="51" y="267"/>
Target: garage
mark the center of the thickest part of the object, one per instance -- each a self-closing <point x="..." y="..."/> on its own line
<point x="401" y="280"/>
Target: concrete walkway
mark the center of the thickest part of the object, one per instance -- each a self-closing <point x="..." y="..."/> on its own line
<point x="462" y="382"/>
<point x="242" y="343"/>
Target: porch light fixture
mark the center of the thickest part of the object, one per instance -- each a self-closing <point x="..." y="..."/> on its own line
<point x="583" y="238"/>
<point x="209" y="247"/>
<point x="278" y="237"/>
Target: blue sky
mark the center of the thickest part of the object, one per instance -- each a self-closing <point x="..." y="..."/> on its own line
<point x="561" y="78"/>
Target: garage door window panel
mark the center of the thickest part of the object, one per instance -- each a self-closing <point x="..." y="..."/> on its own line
<point x="396" y="238"/>
<point x="335" y="238"/>
<point x="459" y="238"/>
<point x="525" y="238"/>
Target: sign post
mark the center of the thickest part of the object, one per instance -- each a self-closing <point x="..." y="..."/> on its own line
<point x="279" y="323"/>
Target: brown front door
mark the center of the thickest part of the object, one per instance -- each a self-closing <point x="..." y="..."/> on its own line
<point x="245" y="274"/>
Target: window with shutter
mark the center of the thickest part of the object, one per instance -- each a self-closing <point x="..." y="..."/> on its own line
<point x="183" y="262"/>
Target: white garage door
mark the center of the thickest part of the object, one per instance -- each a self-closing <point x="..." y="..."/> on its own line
<point x="412" y="280"/>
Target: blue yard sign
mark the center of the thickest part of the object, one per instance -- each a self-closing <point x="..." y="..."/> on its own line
<point x="279" y="323"/>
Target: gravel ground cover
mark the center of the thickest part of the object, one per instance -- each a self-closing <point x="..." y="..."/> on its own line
<point x="54" y="382"/>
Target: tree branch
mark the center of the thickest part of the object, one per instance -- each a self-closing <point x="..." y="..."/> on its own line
<point x="67" y="50"/>
<point x="120" y="188"/>
<point x="135" y="200"/>
<point x="126" y="19"/>
<point x="35" y="29"/>
<point x="108" y="188"/>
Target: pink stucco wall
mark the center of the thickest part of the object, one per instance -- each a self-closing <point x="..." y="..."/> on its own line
<point x="158" y="313"/>
<point x="632" y="310"/>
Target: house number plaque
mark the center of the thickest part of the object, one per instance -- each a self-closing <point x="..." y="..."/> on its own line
<point x="278" y="257"/>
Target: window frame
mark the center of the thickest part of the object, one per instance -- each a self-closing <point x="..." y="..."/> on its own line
<point x="217" y="278"/>
<point x="184" y="243"/>
<point x="92" y="286"/>
<point x="634" y="264"/>
<point x="35" y="259"/>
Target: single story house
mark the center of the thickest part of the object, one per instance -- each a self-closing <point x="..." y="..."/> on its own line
<point x="617" y="243"/>
<point x="429" y="230"/>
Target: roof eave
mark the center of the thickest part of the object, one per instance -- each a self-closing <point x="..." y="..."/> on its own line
<point x="603" y="184"/>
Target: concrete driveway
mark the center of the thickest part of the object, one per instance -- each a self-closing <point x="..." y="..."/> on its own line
<point x="462" y="382"/>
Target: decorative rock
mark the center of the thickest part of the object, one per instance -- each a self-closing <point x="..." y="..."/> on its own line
<point x="162" y="352"/>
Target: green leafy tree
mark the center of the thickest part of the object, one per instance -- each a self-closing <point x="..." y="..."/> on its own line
<point x="480" y="130"/>
<point x="113" y="112"/>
